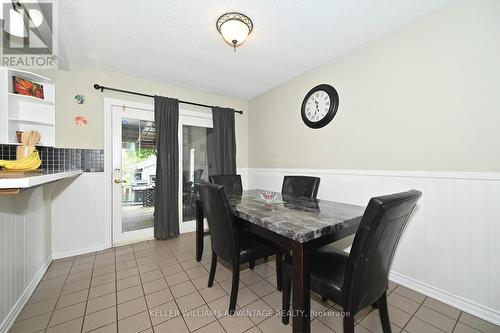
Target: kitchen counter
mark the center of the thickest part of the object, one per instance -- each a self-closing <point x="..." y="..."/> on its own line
<point x="35" y="179"/>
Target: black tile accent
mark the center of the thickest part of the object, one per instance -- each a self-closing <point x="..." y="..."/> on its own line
<point x="62" y="159"/>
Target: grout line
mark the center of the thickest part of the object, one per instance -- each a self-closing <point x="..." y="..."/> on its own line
<point x="88" y="294"/>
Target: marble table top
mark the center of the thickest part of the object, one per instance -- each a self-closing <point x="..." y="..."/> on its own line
<point x="301" y="219"/>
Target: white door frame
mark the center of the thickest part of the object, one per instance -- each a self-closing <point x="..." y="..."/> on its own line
<point x="109" y="103"/>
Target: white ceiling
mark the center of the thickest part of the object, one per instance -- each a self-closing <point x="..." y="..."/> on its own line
<point x="176" y="41"/>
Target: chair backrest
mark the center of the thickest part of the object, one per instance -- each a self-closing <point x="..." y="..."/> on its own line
<point x="231" y="183"/>
<point x="376" y="240"/>
<point x="300" y="186"/>
<point x="218" y="211"/>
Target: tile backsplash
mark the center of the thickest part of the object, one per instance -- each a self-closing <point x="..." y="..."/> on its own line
<point x="62" y="159"/>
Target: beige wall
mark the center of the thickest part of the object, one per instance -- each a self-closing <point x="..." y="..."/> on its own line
<point x="80" y="80"/>
<point x="423" y="97"/>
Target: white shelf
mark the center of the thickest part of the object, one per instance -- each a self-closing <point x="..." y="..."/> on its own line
<point x="29" y="75"/>
<point x="32" y="121"/>
<point x="30" y="99"/>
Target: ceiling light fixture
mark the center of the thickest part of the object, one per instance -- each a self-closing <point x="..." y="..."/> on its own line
<point x="234" y="28"/>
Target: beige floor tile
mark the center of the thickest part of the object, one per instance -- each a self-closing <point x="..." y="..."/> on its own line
<point x="272" y="280"/>
<point x="73" y="298"/>
<point x="274" y="325"/>
<point x="81" y="268"/>
<point x="258" y="311"/>
<point x="223" y="274"/>
<point x="410" y="294"/>
<point x="176" y="278"/>
<point x="176" y="325"/>
<point x="152" y="266"/>
<point x="264" y="271"/>
<point x="83" y="275"/>
<point x="462" y="328"/>
<point x="68" y="313"/>
<point x="193" y="273"/>
<point x="159" y="297"/>
<point x="220" y="306"/>
<point x="402" y="303"/>
<point x="136" y="323"/>
<point x="103" y="270"/>
<point x="254" y="329"/>
<point x="56" y="274"/>
<point x="73" y="326"/>
<point x="249" y="277"/>
<point x="212" y="293"/>
<point x="214" y="327"/>
<point x="372" y="323"/>
<point x="478" y="323"/>
<point x="129" y="282"/>
<point x="435" y="318"/>
<point x="198" y="317"/>
<point x="127" y="273"/>
<point x="392" y="286"/>
<point x="52" y="283"/>
<point x="31" y="325"/>
<point x="128" y="294"/>
<point x="236" y="323"/>
<point x="102" y="290"/>
<point x="334" y="321"/>
<point x="43" y="295"/>
<point x="36" y="309"/>
<point x="184" y="257"/>
<point x="152" y="286"/>
<point x="76" y="286"/>
<point x="163" y="312"/>
<point x="99" y="319"/>
<point x="101" y="303"/>
<point x="182" y="289"/>
<point x="416" y="325"/>
<point x="131" y="307"/>
<point x="151" y="276"/>
<point x="189" y="302"/>
<point x="397" y="316"/>
<point x="262" y="288"/>
<point x="187" y="265"/>
<point x="102" y="279"/>
<point x="274" y="300"/>
<point x="202" y="282"/>
<point x="442" y="308"/>
<point x="318" y="327"/>
<point x="245" y="297"/>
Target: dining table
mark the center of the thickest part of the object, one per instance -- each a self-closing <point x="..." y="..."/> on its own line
<point x="298" y="225"/>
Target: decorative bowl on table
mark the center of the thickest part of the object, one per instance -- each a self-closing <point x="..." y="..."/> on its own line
<point x="268" y="196"/>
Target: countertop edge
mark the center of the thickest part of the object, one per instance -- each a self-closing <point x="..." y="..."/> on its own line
<point x="35" y="180"/>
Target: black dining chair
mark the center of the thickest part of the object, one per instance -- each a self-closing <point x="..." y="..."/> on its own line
<point x="360" y="279"/>
<point x="230" y="243"/>
<point x="300" y="186"/>
<point x="231" y="183"/>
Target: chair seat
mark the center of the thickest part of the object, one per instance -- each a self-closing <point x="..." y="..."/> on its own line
<point x="253" y="247"/>
<point x="328" y="265"/>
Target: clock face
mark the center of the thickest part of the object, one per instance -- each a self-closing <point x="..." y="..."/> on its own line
<point x="320" y="106"/>
<point x="317" y="106"/>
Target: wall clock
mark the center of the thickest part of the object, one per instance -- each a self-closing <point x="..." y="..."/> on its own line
<point x="320" y="106"/>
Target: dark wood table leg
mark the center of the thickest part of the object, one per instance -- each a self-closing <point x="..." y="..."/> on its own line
<point x="199" y="230"/>
<point x="301" y="288"/>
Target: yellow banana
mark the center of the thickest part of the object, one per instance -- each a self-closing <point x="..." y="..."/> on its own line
<point x="29" y="163"/>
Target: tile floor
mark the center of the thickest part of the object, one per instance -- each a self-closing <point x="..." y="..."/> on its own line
<point x="157" y="286"/>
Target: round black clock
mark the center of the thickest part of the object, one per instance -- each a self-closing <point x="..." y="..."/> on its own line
<point x="320" y="106"/>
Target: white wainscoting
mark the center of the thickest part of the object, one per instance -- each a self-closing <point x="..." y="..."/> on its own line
<point x="25" y="248"/>
<point x="451" y="248"/>
<point x="80" y="223"/>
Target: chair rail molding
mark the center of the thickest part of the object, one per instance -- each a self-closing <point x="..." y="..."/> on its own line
<point x="449" y="250"/>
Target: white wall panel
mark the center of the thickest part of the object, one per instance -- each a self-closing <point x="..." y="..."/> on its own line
<point x="25" y="242"/>
<point x="79" y="224"/>
<point x="450" y="249"/>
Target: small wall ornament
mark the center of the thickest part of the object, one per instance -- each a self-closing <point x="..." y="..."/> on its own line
<point x="80" y="99"/>
<point x="80" y="121"/>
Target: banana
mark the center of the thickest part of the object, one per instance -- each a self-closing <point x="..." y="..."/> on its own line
<point x="29" y="163"/>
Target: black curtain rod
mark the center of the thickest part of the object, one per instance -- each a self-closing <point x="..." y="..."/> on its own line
<point x="102" y="88"/>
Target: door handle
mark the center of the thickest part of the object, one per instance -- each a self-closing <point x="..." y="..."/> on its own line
<point x="119" y="181"/>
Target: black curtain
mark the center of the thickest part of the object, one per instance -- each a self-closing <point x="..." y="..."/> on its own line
<point x="166" y="215"/>
<point x="223" y="148"/>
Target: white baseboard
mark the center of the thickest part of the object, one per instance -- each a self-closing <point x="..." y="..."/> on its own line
<point x="76" y="252"/>
<point x="6" y="325"/>
<point x="458" y="302"/>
